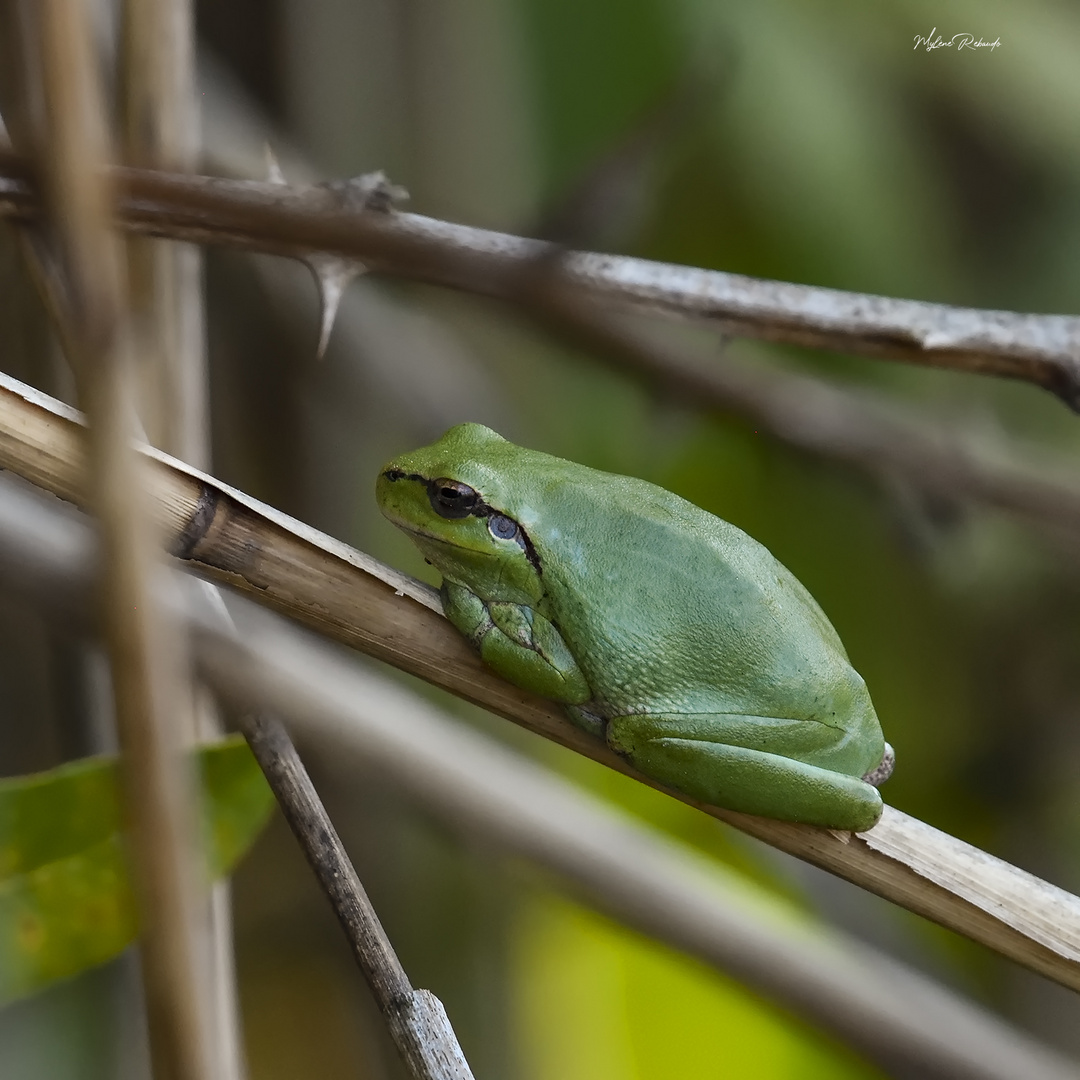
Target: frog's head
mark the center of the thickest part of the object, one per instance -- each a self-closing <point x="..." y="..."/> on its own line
<point x="454" y="499"/>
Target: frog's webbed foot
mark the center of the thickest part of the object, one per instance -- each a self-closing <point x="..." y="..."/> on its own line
<point x="518" y="642"/>
<point x="877" y="776"/>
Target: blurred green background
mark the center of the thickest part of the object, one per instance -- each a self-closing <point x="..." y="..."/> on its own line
<point x="805" y="141"/>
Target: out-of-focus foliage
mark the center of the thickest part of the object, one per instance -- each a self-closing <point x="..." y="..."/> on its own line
<point x="65" y="895"/>
<point x="601" y="1003"/>
<point x="806" y="140"/>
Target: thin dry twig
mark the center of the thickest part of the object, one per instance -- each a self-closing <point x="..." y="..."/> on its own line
<point x="416" y="1019"/>
<point x="159" y="815"/>
<point x="1041" y="349"/>
<point x="375" y="728"/>
<point x="350" y="597"/>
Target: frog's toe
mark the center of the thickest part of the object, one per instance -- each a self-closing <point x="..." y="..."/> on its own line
<point x="877" y="776"/>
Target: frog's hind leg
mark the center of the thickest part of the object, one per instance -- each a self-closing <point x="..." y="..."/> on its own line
<point x="750" y="781"/>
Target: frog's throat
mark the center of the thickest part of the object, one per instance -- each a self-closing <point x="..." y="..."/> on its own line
<point x="422" y="537"/>
<point x="430" y="538"/>
<point x="444" y="555"/>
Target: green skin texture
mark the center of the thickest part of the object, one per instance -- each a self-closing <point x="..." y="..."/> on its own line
<point x="664" y="630"/>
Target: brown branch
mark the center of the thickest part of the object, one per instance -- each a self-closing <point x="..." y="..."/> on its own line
<point x="861" y="429"/>
<point x="1041" y="349"/>
<point x="350" y="597"/>
<point x="416" y="1019"/>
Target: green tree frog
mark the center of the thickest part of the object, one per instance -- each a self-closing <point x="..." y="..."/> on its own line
<point x="663" y="630"/>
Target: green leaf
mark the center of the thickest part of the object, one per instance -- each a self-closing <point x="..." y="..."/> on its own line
<point x="65" y="894"/>
<point x="50" y="815"/>
<point x="240" y="802"/>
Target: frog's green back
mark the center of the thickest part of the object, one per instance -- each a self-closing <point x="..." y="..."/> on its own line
<point x="653" y="584"/>
<point x="666" y="608"/>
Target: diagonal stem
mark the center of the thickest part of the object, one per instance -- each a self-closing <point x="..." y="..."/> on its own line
<point x="415" y="1019"/>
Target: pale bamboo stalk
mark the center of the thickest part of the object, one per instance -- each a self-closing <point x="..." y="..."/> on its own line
<point x="346" y="595"/>
<point x="158" y="809"/>
<point x="370" y="727"/>
<point x="890" y="1013"/>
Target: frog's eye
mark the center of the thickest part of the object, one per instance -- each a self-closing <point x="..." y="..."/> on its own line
<point x="450" y="499"/>
<point x="503" y="528"/>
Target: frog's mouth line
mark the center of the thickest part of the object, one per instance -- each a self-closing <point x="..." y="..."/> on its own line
<point x="526" y="546"/>
<point x="414" y="531"/>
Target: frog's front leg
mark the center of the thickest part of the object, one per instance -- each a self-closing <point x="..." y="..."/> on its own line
<point x="519" y="643"/>
<point x="747" y="780"/>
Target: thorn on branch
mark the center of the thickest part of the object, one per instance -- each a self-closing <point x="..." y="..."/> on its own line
<point x="369" y="191"/>
<point x="274" y="175"/>
<point x="332" y="275"/>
